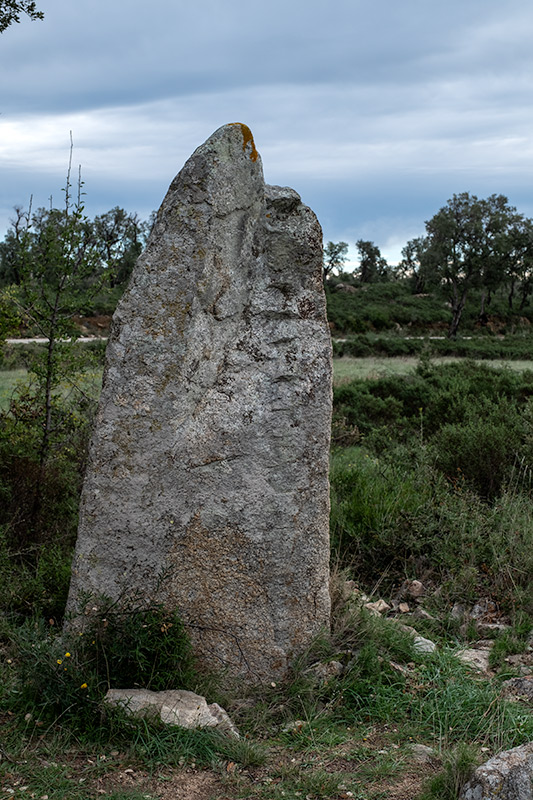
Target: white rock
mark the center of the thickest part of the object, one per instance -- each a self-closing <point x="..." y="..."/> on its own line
<point x="378" y="607"/>
<point x="476" y="658"/>
<point x="173" y="707"/>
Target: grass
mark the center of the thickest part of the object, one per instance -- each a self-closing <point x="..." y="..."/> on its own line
<point x="89" y="383"/>
<point x="8" y="383"/>
<point x="348" y="368"/>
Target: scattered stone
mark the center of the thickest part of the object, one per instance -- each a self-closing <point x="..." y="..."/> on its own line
<point x="345" y="287"/>
<point x="295" y="726"/>
<point x="349" y="587"/>
<point x="519" y="688"/>
<point x="399" y="668"/>
<point x="506" y="776"/>
<point x="492" y="628"/>
<point x="422" y="645"/>
<point x="416" y="589"/>
<point x="477" y="658"/>
<point x="324" y="672"/>
<point x="522" y="661"/>
<point x="207" y="484"/>
<point x="483" y="608"/>
<point x="378" y="607"/>
<point x="458" y="612"/>
<point x="422" y="754"/>
<point x="421" y="613"/>
<point x="172" y="707"/>
<point x="403" y="608"/>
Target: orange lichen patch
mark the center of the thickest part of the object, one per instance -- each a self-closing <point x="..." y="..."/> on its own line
<point x="247" y="138"/>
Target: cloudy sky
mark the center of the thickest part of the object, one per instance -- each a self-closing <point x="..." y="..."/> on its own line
<point x="375" y="111"/>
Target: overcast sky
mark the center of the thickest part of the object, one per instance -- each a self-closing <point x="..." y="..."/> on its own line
<point x="375" y="111"/>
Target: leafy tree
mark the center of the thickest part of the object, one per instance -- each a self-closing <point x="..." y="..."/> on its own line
<point x="373" y="268"/>
<point x="334" y="257"/>
<point x="519" y="272"/>
<point x="466" y="246"/>
<point x="10" y="11"/>
<point x="120" y="238"/>
<point x="411" y="265"/>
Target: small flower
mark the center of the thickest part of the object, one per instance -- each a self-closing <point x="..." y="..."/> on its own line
<point x="59" y="660"/>
<point x="83" y="686"/>
<point x="67" y="655"/>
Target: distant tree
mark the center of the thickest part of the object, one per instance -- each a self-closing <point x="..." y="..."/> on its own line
<point x="411" y="266"/>
<point x="10" y="11"/>
<point x="467" y="245"/>
<point x="373" y="268"/>
<point x="519" y="271"/>
<point x="120" y="238"/>
<point x="334" y="257"/>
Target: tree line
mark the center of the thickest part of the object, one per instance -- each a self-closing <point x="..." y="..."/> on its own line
<point x="470" y="243"/>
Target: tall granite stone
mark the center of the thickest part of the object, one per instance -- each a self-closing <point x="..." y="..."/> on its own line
<point x="207" y="482"/>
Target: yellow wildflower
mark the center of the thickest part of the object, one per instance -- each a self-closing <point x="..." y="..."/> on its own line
<point x="83" y="686"/>
<point x="59" y="661"/>
<point x="67" y="655"/>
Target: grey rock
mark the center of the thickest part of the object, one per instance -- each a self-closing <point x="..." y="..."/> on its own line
<point x="484" y="607"/>
<point x="421" y="753"/>
<point x="172" y="707"/>
<point x="478" y="658"/>
<point x="506" y="776"/>
<point x="422" y="645"/>
<point x="458" y="612"/>
<point x="345" y="287"/>
<point x="416" y="589"/>
<point x="207" y="484"/>
<point x="323" y="672"/>
<point x="519" y="688"/>
<point x="492" y="628"/>
<point x="421" y="613"/>
<point x="378" y="607"/>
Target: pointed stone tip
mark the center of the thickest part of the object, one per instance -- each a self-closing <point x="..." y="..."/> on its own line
<point x="247" y="138"/>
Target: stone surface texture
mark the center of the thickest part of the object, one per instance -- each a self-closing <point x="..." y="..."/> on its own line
<point x="172" y="707"/>
<point x="507" y="776"/>
<point x="207" y="484"/>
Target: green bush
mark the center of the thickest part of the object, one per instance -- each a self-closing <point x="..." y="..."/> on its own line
<point x="68" y="675"/>
<point x="481" y="450"/>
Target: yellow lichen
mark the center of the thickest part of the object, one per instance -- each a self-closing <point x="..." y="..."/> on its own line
<point x="247" y="138"/>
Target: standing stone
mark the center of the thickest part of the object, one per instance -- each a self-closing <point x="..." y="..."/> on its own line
<point x="207" y="484"/>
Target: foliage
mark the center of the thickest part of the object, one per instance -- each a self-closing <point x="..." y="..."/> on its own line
<point x="68" y="675"/>
<point x="440" y="482"/>
<point x="372" y="266"/>
<point x="10" y="11"/>
<point x="334" y="257"/>
<point x="459" y="764"/>
<point x="468" y="243"/>
<point x="511" y="348"/>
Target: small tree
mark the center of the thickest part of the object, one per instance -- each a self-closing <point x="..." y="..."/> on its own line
<point x="467" y="245"/>
<point x="411" y="266"/>
<point x="334" y="257"/>
<point x="372" y="266"/>
<point x="55" y="260"/>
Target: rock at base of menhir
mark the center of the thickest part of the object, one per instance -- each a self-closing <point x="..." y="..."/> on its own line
<point x="507" y="776"/>
<point x="207" y="483"/>
<point x="172" y="707"/>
